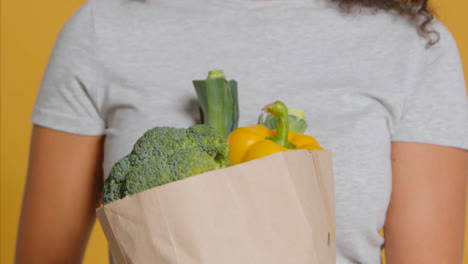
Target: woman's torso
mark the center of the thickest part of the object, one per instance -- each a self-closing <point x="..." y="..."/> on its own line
<point x="338" y="68"/>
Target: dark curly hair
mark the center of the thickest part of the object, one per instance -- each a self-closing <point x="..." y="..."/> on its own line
<point x="417" y="11"/>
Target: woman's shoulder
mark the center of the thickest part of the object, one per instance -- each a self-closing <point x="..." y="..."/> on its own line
<point x="422" y="35"/>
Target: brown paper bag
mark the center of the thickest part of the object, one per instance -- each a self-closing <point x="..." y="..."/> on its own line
<point x="278" y="209"/>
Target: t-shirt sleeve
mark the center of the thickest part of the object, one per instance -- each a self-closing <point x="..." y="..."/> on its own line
<point x="68" y="98"/>
<point x="435" y="110"/>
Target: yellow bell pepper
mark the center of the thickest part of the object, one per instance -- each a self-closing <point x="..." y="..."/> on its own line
<point x="257" y="141"/>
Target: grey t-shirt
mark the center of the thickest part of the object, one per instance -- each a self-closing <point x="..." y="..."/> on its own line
<point x="364" y="79"/>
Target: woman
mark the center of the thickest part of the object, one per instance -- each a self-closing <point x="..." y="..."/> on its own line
<point x="389" y="102"/>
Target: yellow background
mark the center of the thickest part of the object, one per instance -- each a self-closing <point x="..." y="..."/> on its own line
<point x="28" y="32"/>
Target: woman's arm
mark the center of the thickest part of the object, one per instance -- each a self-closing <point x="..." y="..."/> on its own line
<point x="63" y="189"/>
<point x="426" y="216"/>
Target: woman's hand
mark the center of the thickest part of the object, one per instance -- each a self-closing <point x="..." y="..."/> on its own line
<point x="63" y="189"/>
<point x="426" y="216"/>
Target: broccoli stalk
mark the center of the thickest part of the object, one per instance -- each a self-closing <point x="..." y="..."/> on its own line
<point x="218" y="102"/>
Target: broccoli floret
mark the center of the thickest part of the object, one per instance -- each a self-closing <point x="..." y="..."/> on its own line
<point x="166" y="154"/>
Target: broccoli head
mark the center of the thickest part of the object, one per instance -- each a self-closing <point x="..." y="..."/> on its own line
<point x="166" y="154"/>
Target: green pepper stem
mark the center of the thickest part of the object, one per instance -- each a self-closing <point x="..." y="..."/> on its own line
<point x="280" y="111"/>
